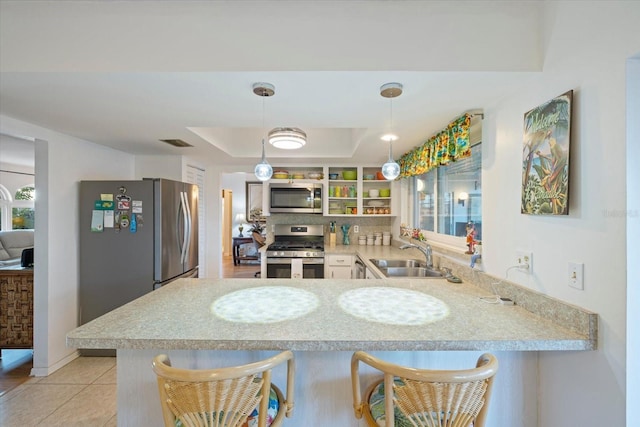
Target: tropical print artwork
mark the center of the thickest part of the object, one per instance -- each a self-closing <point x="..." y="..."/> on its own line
<point x="545" y="158"/>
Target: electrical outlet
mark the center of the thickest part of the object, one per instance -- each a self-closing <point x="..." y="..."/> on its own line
<point x="356" y="228"/>
<point x="576" y="275"/>
<point x="524" y="260"/>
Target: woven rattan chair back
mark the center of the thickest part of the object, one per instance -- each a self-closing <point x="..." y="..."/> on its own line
<point x="222" y="397"/>
<point x="427" y="398"/>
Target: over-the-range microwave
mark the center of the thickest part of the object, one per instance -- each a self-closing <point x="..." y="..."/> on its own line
<point x="295" y="198"/>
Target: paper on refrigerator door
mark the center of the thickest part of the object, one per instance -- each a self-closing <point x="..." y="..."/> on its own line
<point x="97" y="221"/>
<point x="296" y="268"/>
<point x="108" y="219"/>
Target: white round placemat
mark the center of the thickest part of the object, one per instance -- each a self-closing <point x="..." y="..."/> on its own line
<point x="266" y="304"/>
<point x="393" y="306"/>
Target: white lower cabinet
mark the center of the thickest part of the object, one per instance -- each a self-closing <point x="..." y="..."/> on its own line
<point x="338" y="266"/>
<point x="368" y="274"/>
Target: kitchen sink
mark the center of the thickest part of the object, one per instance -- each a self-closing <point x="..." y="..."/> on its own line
<point x="410" y="272"/>
<point x="405" y="268"/>
<point x="391" y="263"/>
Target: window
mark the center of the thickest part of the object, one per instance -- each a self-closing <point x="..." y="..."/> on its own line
<point x="5" y="202"/>
<point x="22" y="212"/>
<point x="448" y="199"/>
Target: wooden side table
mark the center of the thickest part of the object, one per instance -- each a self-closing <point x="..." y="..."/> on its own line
<point x="16" y="308"/>
<point x="237" y="242"/>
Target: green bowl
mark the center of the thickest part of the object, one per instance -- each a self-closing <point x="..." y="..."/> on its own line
<point x="385" y="192"/>
<point x="349" y="175"/>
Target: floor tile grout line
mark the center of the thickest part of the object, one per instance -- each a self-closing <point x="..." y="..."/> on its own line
<point x="59" y="406"/>
<point x="76" y="395"/>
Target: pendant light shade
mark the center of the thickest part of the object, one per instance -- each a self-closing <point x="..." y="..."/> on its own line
<point x="263" y="170"/>
<point x="391" y="169"/>
<point x="287" y="138"/>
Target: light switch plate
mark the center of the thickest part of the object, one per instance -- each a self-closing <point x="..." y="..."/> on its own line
<point x="356" y="228"/>
<point x="576" y="275"/>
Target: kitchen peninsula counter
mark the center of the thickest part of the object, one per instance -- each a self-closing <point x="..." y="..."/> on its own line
<point x="185" y="320"/>
<point x="180" y="316"/>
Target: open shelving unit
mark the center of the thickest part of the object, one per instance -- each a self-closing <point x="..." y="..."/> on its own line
<point x="358" y="200"/>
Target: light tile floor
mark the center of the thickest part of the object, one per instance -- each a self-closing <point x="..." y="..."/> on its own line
<point x="82" y="393"/>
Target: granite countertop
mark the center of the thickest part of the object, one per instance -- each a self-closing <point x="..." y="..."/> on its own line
<point x="324" y="315"/>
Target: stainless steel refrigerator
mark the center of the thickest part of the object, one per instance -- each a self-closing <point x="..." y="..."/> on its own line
<point x="135" y="236"/>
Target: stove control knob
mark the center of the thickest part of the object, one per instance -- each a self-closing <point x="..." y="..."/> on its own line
<point x="308" y="254"/>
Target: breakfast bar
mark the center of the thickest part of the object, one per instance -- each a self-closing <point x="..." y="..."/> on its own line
<point x="430" y="323"/>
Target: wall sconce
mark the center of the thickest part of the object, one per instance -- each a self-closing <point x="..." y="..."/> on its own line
<point x="462" y="197"/>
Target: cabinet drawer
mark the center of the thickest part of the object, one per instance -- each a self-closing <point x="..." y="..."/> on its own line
<point x="339" y="259"/>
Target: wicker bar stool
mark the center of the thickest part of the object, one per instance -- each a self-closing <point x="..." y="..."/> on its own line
<point x="423" y="397"/>
<point x="224" y="397"/>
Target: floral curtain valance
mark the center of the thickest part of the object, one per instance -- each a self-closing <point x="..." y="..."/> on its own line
<point x="450" y="144"/>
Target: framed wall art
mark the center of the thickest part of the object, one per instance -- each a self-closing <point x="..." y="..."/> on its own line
<point x="253" y="193"/>
<point x="545" y="158"/>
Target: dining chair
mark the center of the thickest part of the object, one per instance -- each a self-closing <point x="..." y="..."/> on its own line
<point x="236" y="396"/>
<point x="406" y="396"/>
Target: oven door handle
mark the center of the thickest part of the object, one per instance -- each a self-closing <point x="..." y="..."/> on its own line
<point x="288" y="260"/>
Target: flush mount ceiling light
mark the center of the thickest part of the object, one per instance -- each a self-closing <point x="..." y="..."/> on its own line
<point x="391" y="169"/>
<point x="263" y="170"/>
<point x="287" y="138"/>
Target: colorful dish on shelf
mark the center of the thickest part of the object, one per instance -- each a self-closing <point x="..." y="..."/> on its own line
<point x="316" y="175"/>
<point x="333" y="176"/>
<point x="375" y="203"/>
<point x="280" y="174"/>
<point x="385" y="192"/>
<point x="369" y="177"/>
<point x="298" y="176"/>
<point x="349" y="175"/>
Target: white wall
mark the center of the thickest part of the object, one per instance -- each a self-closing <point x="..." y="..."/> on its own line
<point x="167" y="167"/>
<point x="61" y="162"/>
<point x="633" y="250"/>
<point x="575" y="388"/>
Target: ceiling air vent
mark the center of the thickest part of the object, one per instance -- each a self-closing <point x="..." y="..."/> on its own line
<point x="177" y="142"/>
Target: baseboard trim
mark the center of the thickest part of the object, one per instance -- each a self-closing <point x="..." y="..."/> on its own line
<point x="44" y="372"/>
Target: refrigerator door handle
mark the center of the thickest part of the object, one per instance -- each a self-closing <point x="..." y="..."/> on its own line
<point x="187" y="227"/>
<point x="185" y="219"/>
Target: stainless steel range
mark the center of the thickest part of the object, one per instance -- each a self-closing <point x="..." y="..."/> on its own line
<point x="296" y="252"/>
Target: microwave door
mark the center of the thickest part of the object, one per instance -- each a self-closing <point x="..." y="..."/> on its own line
<point x="295" y="199"/>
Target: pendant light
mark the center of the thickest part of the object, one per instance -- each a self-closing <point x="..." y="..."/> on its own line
<point x="263" y="170"/>
<point x="391" y="169"/>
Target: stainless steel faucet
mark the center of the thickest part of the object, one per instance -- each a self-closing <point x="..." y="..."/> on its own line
<point x="427" y="252"/>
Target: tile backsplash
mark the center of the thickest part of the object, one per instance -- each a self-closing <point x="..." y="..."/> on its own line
<point x="368" y="225"/>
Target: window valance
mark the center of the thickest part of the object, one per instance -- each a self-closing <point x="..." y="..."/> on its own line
<point x="450" y="144"/>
